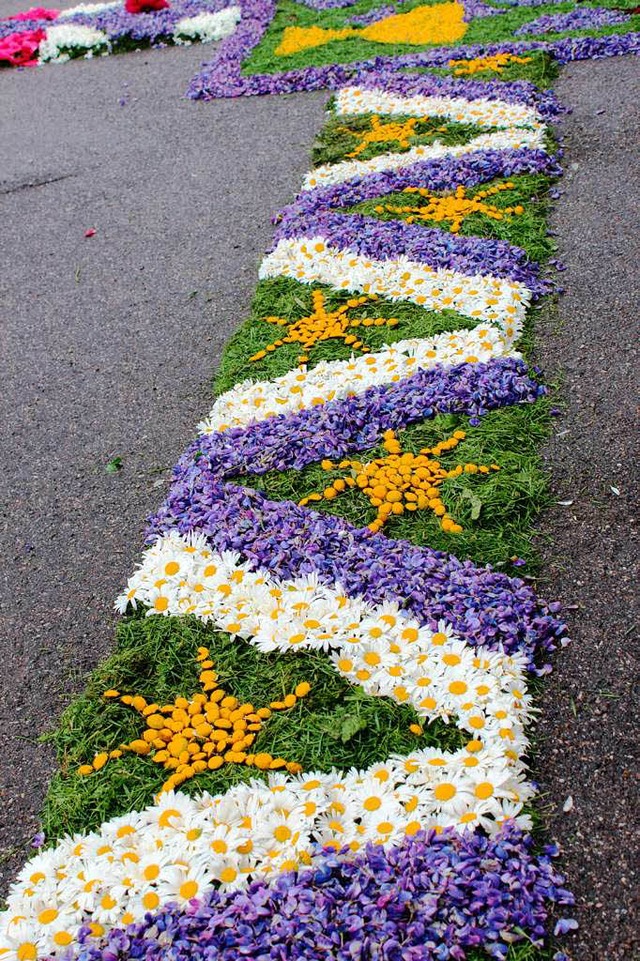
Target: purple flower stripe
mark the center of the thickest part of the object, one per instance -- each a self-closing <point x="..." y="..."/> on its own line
<point x="476" y="10"/>
<point x="484" y="606"/>
<point x="293" y="441"/>
<point x="328" y="4"/>
<point x="223" y="76"/>
<point x="431" y="898"/>
<point x="584" y="18"/>
<point x="437" y="248"/>
<point x="119" y="25"/>
<point x="427" y="85"/>
<point x="436" y="174"/>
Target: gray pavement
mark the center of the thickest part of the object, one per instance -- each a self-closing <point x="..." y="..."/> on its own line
<point x="108" y="344"/>
<point x="588" y="751"/>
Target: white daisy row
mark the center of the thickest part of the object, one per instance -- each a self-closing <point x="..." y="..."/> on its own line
<point x="380" y="647"/>
<point x="181" y="847"/>
<point x="483" y="112"/>
<point x="66" y="39"/>
<point x="313" y="260"/>
<point x="206" y="27"/>
<point x="513" y="138"/>
<point x="252" y="401"/>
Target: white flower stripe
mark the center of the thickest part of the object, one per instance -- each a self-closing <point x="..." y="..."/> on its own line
<point x="513" y="138"/>
<point x="252" y="401"/>
<point x="88" y="8"/>
<point x="482" y="112"/>
<point x="180" y="847"/>
<point x="379" y="647"/>
<point x="206" y="27"/>
<point x="313" y="260"/>
<point x="60" y="39"/>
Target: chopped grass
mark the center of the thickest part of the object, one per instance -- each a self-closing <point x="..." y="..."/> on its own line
<point x="497" y="511"/>
<point x="339" y="137"/>
<point x="527" y="230"/>
<point x="336" y="725"/>
<point x="283" y="297"/>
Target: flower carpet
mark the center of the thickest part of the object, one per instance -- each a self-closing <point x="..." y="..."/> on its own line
<point x="312" y="739"/>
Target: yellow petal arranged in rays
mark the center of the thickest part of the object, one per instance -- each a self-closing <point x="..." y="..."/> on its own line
<point x="439" y="23"/>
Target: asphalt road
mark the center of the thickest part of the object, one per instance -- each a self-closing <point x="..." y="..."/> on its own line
<point x="108" y="344"/>
<point x="107" y="349"/>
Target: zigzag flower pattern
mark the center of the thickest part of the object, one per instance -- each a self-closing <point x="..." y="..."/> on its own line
<point x="435" y="637"/>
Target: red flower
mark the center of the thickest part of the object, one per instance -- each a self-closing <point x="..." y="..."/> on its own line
<point x="145" y="6"/>
<point x="20" y="49"/>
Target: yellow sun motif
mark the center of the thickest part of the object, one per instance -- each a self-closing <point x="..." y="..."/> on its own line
<point x="400" y="132"/>
<point x="322" y="324"/>
<point x="401" y="481"/>
<point x="454" y="207"/>
<point x="496" y="63"/>
<point x="188" y="737"/>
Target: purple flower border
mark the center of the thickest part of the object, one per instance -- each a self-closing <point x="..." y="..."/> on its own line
<point x="433" y="897"/>
<point x="388" y="240"/>
<point x="335" y="429"/>
<point x="582" y="18"/>
<point x="223" y="76"/>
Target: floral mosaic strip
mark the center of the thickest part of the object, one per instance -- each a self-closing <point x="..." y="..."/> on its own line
<point x="438" y="894"/>
<point x="452" y="641"/>
<point x="542" y="103"/>
<point x="311" y="260"/>
<point x="223" y="77"/>
<point x="482" y="111"/>
<point x="95" y="29"/>
<point x="519" y="138"/>
<point x="378" y="647"/>
<point x="338" y="427"/>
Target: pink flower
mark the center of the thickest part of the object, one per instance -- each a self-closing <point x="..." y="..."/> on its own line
<point x="35" y="13"/>
<point x="20" y="49"/>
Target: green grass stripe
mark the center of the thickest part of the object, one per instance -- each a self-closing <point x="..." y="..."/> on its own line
<point x="284" y="297"/>
<point x="336" y="725"/>
<point x="497" y="511"/>
<point x="339" y="136"/>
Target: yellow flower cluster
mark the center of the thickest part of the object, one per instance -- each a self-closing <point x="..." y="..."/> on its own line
<point x="192" y="736"/>
<point x="394" y="132"/>
<point x="455" y="207"/>
<point x="496" y="63"/>
<point x="322" y="324"/>
<point x="432" y="23"/>
<point x="401" y="481"/>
